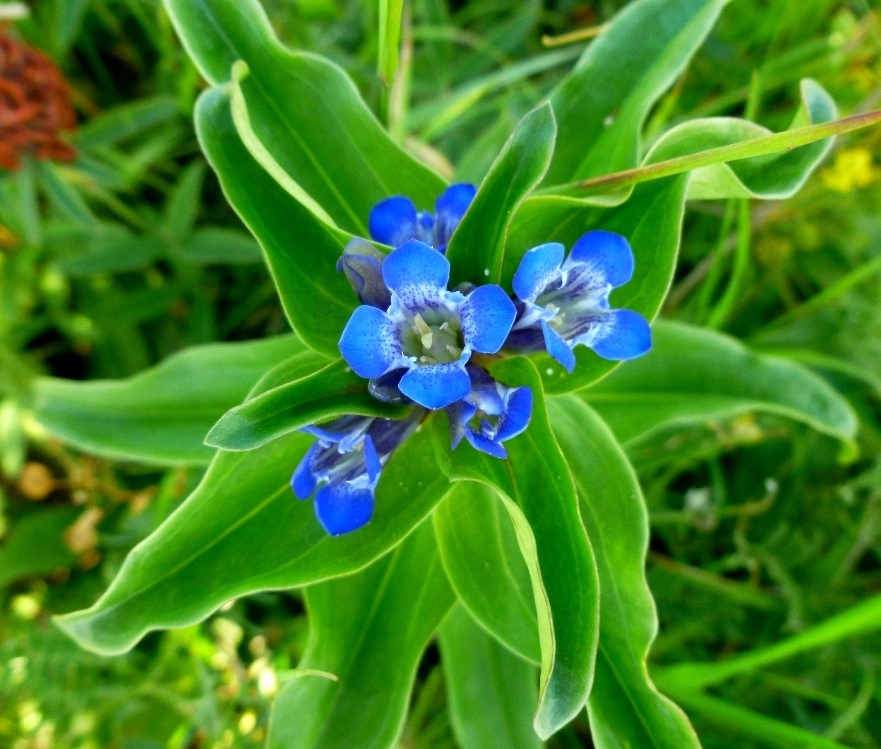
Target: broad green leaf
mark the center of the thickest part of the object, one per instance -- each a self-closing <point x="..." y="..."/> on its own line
<point x="35" y="544"/>
<point x="477" y="247"/>
<point x="302" y="252"/>
<point x="484" y="563"/>
<point x="537" y="489"/>
<point x="160" y="415"/>
<point x="304" y="110"/>
<point x="602" y="105"/>
<point x="218" y="245"/>
<point x="242" y="531"/>
<point x="625" y="709"/>
<point x="693" y="375"/>
<point x="651" y="220"/>
<point x="730" y="158"/>
<point x="368" y="630"/>
<point x="332" y="391"/>
<point x="492" y="693"/>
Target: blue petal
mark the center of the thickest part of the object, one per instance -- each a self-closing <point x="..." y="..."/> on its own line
<point x="303" y="481"/>
<point x="486" y="445"/>
<point x="343" y="507"/>
<point x="608" y="255"/>
<point x="539" y="267"/>
<point x="393" y="221"/>
<point x="449" y="209"/>
<point x="369" y="343"/>
<point x="487" y="317"/>
<point x="371" y="460"/>
<point x="417" y="273"/>
<point x="362" y="264"/>
<point x="517" y="415"/>
<point x="458" y="416"/>
<point x="436" y="385"/>
<point x="622" y="334"/>
<point x="484" y="393"/>
<point x="558" y="348"/>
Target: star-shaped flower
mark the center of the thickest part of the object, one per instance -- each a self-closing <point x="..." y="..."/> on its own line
<point x="565" y="303"/>
<point x="427" y="331"/>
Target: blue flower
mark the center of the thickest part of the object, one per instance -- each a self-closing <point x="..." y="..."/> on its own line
<point x="427" y="331"/>
<point x="362" y="264"/>
<point x="490" y="414"/>
<point x="566" y="303"/>
<point x="344" y="466"/>
<point x="395" y="220"/>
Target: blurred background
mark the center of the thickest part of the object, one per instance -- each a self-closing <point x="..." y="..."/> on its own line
<point x="118" y="249"/>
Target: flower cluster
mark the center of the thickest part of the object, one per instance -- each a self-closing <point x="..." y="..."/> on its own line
<point x="418" y="342"/>
<point x="34" y="105"/>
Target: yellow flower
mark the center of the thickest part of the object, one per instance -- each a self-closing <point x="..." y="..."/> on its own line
<point x="852" y="169"/>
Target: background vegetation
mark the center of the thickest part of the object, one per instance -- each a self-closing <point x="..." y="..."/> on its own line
<point x="762" y="530"/>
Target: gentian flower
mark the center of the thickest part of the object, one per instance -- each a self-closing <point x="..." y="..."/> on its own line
<point x="566" y="303"/>
<point x="395" y="220"/>
<point x="344" y="466"/>
<point x="490" y="414"/>
<point x="427" y="331"/>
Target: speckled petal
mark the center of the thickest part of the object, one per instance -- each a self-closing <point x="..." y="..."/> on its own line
<point x="620" y="335"/>
<point x="369" y="343"/>
<point x="606" y="254"/>
<point x="417" y="274"/>
<point x="436" y="385"/>
<point x="487" y="317"/>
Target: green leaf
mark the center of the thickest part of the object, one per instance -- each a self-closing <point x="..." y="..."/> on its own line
<point x="602" y="105"/>
<point x="306" y="113"/>
<point x="624" y="708"/>
<point x="651" y="220"/>
<point x="391" y="13"/>
<point x="731" y="158"/>
<point x="332" y="391"/>
<point x="477" y="247"/>
<point x="125" y="121"/>
<point x="35" y="545"/>
<point x="242" y="531"/>
<point x="217" y="245"/>
<point x="492" y="692"/>
<point x="478" y="545"/>
<point x="182" y="206"/>
<point x="160" y="415"/>
<point x="302" y="252"/>
<point x="538" y="492"/>
<point x="368" y="630"/>
<point x="694" y="375"/>
<point x="116" y="253"/>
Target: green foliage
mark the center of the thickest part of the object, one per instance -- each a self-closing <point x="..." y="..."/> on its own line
<point x="725" y="484"/>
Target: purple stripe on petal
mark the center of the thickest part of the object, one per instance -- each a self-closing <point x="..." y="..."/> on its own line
<point x="606" y="254"/>
<point x="539" y="267"/>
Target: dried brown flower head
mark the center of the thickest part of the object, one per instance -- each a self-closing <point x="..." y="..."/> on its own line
<point x="34" y="105"/>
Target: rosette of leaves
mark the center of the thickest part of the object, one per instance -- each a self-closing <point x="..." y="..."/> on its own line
<point x="529" y="570"/>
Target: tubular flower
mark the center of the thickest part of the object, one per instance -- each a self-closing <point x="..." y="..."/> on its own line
<point x="395" y="220"/>
<point x="344" y="466"/>
<point x="427" y="332"/>
<point x="34" y="105"/>
<point x="564" y="303"/>
<point x="490" y="414"/>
